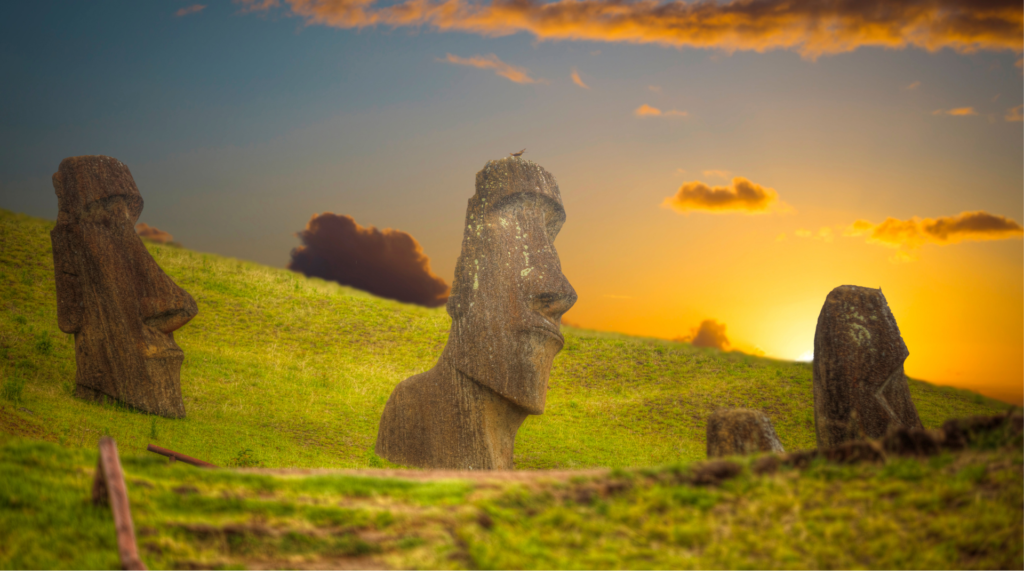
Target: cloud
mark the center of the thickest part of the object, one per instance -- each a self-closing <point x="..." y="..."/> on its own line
<point x="781" y="237"/>
<point x="909" y="235"/>
<point x="653" y="88"/>
<point x="154" y="234"/>
<point x="492" y="62"/>
<point x="646" y="110"/>
<point x="576" y="80"/>
<point x="709" y="334"/>
<point x="809" y="27"/>
<point x="1015" y="114"/>
<point x="716" y="173"/>
<point x="742" y="196"/>
<point x="190" y="10"/>
<point x="388" y="263"/>
<point x="912" y="85"/>
<point x="965" y="111"/>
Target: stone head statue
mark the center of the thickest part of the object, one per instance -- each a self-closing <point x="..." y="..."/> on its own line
<point x="860" y="389"/>
<point x="506" y="304"/>
<point x="111" y="294"/>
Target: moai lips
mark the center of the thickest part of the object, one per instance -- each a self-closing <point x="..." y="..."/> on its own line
<point x="739" y="432"/>
<point x="111" y="294"/>
<point x="860" y="389"/>
<point x="506" y="304"/>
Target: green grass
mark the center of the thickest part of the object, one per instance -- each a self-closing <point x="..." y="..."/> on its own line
<point x="283" y="371"/>
<point x="952" y="511"/>
<point x="296" y="371"/>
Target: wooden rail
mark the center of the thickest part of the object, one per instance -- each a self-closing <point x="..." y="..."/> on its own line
<point x="108" y="486"/>
<point x="176" y="456"/>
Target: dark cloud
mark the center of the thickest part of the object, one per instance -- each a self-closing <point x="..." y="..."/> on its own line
<point x="709" y="334"/>
<point x="388" y="263"/>
<point x="809" y="27"/>
<point x="154" y="234"/>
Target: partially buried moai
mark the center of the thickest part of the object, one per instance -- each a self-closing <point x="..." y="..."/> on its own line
<point x="740" y="431"/>
<point x="111" y="294"/>
<point x="860" y="389"/>
<point x="506" y="305"/>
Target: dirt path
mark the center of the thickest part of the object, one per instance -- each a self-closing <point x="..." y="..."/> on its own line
<point x="476" y="476"/>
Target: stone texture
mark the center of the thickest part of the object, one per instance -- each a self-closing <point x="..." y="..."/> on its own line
<point x="739" y="432"/>
<point x="860" y="389"/>
<point x="111" y="294"/>
<point x="506" y="304"/>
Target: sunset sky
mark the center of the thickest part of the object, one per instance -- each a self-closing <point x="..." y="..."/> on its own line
<point x="732" y="161"/>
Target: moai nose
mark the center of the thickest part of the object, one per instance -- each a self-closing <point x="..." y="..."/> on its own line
<point x="553" y="297"/>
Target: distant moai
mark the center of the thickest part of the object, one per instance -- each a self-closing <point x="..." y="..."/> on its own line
<point x="506" y="305"/>
<point x="111" y="294"/>
<point x="860" y="389"/>
<point x="740" y="431"/>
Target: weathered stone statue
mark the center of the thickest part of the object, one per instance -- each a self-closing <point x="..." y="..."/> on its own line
<point x="739" y="432"/>
<point x="111" y="294"/>
<point x="506" y="304"/>
<point x="860" y="389"/>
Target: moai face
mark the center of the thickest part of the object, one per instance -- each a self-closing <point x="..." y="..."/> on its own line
<point x="111" y="294"/>
<point x="509" y="294"/>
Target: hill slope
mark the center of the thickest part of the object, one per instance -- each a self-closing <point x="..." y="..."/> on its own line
<point x="296" y="371"/>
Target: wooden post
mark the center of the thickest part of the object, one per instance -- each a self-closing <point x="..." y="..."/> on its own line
<point x="108" y="486"/>
<point x="178" y="457"/>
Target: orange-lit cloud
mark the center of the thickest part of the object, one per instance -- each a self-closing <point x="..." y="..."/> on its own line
<point x="965" y="111"/>
<point x="190" y="10"/>
<point x="741" y="196"/>
<point x="809" y="27"/>
<point x="577" y="81"/>
<point x="716" y="173"/>
<point x="709" y="334"/>
<point x="153" y="234"/>
<point x="1015" y="114"/>
<point x="388" y="263"/>
<point x="645" y="110"/>
<point x="492" y="62"/>
<point x="913" y="85"/>
<point x="909" y="235"/>
<point x="653" y="88"/>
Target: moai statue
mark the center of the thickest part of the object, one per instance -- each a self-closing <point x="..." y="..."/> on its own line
<point x="111" y="294"/>
<point x="739" y="432"/>
<point x="506" y="305"/>
<point x="860" y="389"/>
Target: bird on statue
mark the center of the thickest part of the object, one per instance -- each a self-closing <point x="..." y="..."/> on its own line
<point x="517" y="154"/>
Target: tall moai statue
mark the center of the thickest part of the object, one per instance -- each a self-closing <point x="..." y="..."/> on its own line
<point x="860" y="389"/>
<point x="111" y="294"/>
<point x="506" y="305"/>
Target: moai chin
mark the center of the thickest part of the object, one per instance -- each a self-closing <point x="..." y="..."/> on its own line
<point x="506" y="305"/>
<point x="860" y="389"/>
<point x="111" y="294"/>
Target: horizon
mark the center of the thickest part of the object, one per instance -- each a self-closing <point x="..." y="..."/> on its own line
<point x="711" y="169"/>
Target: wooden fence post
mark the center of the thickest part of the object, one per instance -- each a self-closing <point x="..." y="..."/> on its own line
<point x="108" y="486"/>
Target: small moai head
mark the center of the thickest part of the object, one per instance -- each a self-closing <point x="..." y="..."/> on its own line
<point x="509" y="293"/>
<point x="111" y="294"/>
<point x="860" y="389"/>
<point x="740" y="431"/>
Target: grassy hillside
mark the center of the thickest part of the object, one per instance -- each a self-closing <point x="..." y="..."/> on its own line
<point x="293" y="372"/>
<point x="951" y="511"/>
